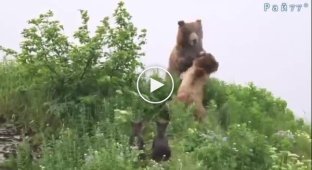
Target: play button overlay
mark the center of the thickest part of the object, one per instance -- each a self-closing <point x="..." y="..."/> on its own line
<point x="155" y="85"/>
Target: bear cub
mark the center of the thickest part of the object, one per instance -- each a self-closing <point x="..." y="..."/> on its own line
<point x="136" y="138"/>
<point x="160" y="148"/>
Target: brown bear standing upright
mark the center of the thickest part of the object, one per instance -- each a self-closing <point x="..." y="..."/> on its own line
<point x="188" y="47"/>
<point x="191" y="89"/>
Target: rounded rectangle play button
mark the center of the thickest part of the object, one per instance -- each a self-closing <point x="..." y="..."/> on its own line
<point x="155" y="90"/>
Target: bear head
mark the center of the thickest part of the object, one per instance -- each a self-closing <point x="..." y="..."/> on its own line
<point x="161" y="127"/>
<point x="205" y="64"/>
<point x="137" y="127"/>
<point x="190" y="34"/>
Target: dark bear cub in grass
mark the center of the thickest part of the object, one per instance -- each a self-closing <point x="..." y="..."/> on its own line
<point x="160" y="149"/>
<point x="136" y="138"/>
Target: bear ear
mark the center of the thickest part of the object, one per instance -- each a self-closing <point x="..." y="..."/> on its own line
<point x="198" y="21"/>
<point x="181" y="23"/>
<point x="201" y="53"/>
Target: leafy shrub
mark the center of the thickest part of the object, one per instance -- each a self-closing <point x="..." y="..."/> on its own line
<point x="71" y="73"/>
<point x="239" y="104"/>
<point x="240" y="148"/>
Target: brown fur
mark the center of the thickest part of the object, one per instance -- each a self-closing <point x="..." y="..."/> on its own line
<point x="184" y="52"/>
<point x="136" y="138"/>
<point x="194" y="79"/>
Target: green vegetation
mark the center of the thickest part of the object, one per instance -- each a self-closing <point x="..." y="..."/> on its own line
<point x="76" y="99"/>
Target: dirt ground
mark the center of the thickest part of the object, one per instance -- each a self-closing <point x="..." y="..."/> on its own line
<point x="9" y="139"/>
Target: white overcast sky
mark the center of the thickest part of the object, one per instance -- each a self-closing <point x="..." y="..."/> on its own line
<point x="273" y="50"/>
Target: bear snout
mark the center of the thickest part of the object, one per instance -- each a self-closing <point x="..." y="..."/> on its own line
<point x="193" y="39"/>
<point x="194" y="42"/>
<point x="215" y="67"/>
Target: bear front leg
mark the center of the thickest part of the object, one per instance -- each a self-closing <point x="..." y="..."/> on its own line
<point x="184" y="64"/>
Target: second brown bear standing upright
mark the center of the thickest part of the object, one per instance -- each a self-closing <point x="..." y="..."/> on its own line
<point x="189" y="45"/>
<point x="191" y="89"/>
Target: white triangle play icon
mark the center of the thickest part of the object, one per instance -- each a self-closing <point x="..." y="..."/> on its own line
<point x="154" y="85"/>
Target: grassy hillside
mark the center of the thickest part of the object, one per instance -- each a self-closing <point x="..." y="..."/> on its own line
<point x="75" y="101"/>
